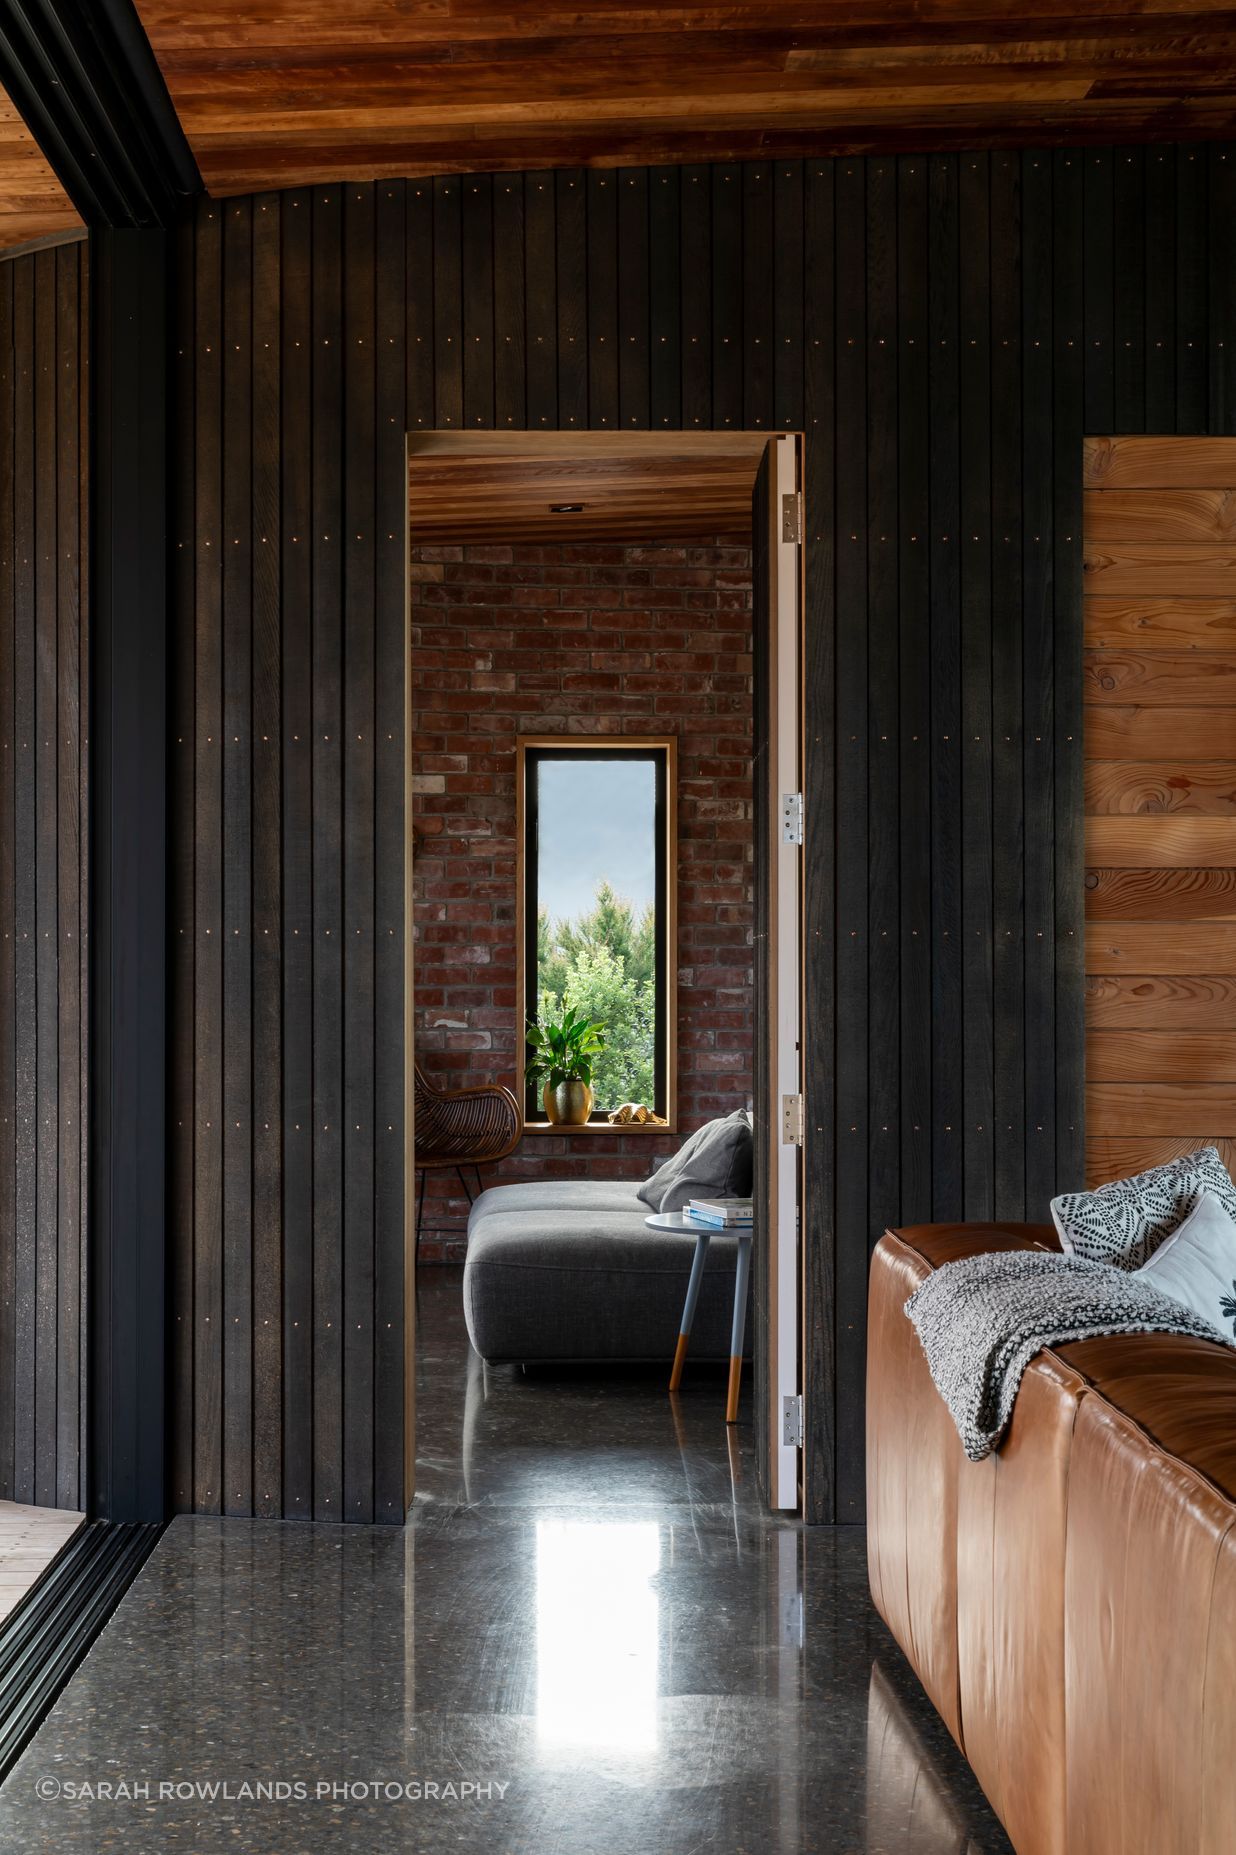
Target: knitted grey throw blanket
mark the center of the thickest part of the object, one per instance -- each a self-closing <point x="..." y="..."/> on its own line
<point x="982" y="1319"/>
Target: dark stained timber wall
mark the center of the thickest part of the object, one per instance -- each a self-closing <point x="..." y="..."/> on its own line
<point x="944" y="329"/>
<point x="43" y="344"/>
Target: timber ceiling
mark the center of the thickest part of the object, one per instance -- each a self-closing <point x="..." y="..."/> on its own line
<point x="581" y="486"/>
<point x="277" y="93"/>
<point x="33" y="204"/>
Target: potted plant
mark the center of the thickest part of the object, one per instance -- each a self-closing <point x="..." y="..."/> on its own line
<point x="563" y="1054"/>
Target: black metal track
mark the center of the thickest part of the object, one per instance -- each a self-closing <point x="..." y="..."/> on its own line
<point x="84" y="78"/>
<point x="46" y="1637"/>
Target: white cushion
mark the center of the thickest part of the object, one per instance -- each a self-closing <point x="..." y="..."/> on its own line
<point x="1197" y="1265"/>
<point x="1124" y="1223"/>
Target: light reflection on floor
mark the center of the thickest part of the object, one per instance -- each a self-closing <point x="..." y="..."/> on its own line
<point x="597" y="1629"/>
<point x="588" y="1610"/>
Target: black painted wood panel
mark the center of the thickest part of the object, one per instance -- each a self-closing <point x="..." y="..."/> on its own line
<point x="43" y="862"/>
<point x="944" y="328"/>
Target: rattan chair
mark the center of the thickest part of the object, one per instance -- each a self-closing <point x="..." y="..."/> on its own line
<point x="462" y="1127"/>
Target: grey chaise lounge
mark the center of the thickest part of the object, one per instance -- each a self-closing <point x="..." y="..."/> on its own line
<point x="567" y="1270"/>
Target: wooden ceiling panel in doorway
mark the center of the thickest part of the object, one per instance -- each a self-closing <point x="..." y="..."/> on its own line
<point x="280" y="93"/>
<point x="586" y="486"/>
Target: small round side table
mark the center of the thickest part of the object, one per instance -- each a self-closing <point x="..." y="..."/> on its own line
<point x="678" y="1220"/>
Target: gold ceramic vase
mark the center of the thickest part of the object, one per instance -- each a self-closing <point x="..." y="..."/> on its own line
<point x="568" y="1105"/>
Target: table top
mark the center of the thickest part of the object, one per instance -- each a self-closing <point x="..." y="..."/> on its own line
<point x="678" y="1220"/>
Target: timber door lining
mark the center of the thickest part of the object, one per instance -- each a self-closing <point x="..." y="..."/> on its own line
<point x="634" y="481"/>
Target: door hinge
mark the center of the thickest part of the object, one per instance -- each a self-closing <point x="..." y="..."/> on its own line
<point x="791" y="817"/>
<point x="792" y="516"/>
<point x="792" y="1422"/>
<point x="791" y="1120"/>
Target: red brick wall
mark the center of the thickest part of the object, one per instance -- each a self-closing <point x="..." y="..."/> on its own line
<point x="586" y="639"/>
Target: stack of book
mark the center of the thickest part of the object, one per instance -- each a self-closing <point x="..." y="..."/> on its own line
<point x="721" y="1213"/>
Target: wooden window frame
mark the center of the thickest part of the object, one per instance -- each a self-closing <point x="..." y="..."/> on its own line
<point x="667" y="924"/>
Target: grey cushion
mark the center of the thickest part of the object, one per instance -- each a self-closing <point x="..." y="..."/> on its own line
<point x="583" y="1195"/>
<point x="715" y="1160"/>
<point x="550" y="1285"/>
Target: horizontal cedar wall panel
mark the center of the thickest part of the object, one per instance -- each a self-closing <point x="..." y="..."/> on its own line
<point x="1175" y="733"/>
<point x="1160" y="624"/>
<point x="1169" y="1056"/>
<point x="1149" y="567"/>
<point x="1109" y="1156"/>
<point x="944" y="329"/>
<point x="1156" y="462"/>
<point x="43" y="862"/>
<point x="1161" y="895"/>
<point x="1171" y="678"/>
<point x="1160" y="793"/>
<point x="1170" y="841"/>
<point x="1165" y="947"/>
<point x="1168" y="515"/>
<point x="1134" y="1108"/>
<point x="1150" y="787"/>
<point x="1150" y="1001"/>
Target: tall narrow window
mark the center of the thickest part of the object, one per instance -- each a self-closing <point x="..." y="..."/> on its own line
<point x="596" y="905"/>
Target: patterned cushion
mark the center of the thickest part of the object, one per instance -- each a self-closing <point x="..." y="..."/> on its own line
<point x="1124" y="1223"/>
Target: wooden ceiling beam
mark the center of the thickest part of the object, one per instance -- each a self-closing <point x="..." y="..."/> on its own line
<point x="231" y="25"/>
<point x="287" y="92"/>
<point x="83" y="77"/>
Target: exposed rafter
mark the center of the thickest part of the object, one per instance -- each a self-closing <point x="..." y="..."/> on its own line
<point x="82" y="75"/>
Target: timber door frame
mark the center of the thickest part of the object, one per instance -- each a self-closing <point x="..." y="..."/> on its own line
<point x="547" y="459"/>
<point x="778" y="609"/>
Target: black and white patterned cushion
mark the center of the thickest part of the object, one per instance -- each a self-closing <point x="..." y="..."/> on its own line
<point x="1123" y="1223"/>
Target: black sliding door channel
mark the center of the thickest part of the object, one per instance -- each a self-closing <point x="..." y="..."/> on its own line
<point x="46" y="1637"/>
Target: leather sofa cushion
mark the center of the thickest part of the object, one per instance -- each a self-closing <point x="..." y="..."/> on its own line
<point x="967" y="1559"/>
<point x="940" y="1243"/>
<point x="1180" y="1392"/>
<point x="1146" y="1535"/>
<point x="1067" y="1603"/>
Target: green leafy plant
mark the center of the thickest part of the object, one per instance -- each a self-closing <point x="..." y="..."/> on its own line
<point x="563" y="1051"/>
<point x="603" y="962"/>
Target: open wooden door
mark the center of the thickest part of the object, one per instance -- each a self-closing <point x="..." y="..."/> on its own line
<point x="777" y="627"/>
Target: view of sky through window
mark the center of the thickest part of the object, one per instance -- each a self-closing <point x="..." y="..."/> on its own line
<point x="597" y="824"/>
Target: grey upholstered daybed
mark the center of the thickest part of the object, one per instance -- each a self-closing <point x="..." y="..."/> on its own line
<point x="567" y="1269"/>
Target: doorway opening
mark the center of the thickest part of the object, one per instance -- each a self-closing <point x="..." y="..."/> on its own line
<point x="604" y="701"/>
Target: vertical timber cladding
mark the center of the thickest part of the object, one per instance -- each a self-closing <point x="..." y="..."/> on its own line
<point x="944" y="329"/>
<point x="1160" y="607"/>
<point x="43" y="689"/>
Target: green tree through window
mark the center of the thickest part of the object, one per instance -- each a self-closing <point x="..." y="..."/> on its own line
<point x="604" y="963"/>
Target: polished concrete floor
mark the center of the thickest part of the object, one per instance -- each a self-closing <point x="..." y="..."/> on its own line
<point x="588" y="1641"/>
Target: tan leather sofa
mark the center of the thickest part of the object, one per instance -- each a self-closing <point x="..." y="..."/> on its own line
<point x="1070" y="1603"/>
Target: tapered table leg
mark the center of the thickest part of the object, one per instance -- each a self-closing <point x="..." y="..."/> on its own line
<point x="688" y="1312"/>
<point x="742" y="1274"/>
